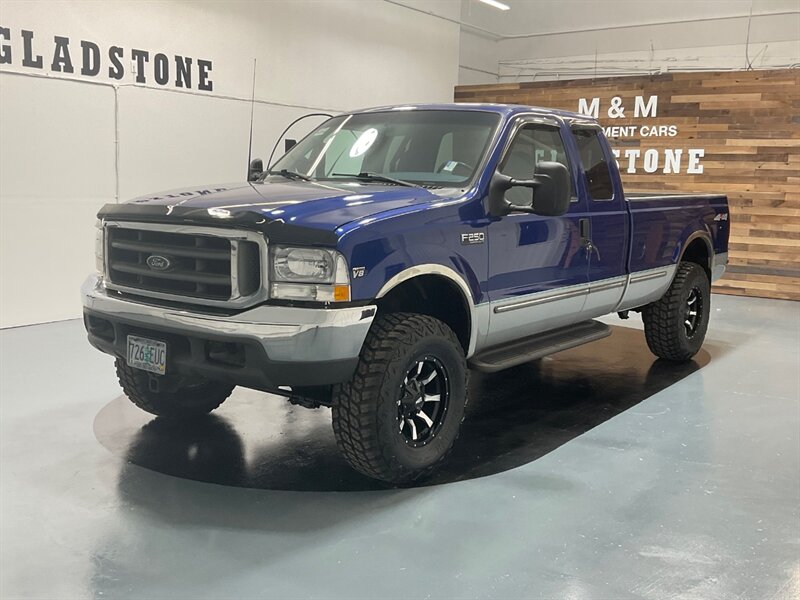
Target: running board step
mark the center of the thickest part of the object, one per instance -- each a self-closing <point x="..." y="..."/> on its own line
<point x="539" y="345"/>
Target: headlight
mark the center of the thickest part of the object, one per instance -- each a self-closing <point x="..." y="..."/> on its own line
<point x="314" y="274"/>
<point x="99" y="248"/>
<point x="303" y="264"/>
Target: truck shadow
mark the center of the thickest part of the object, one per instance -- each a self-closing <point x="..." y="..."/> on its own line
<point x="514" y="417"/>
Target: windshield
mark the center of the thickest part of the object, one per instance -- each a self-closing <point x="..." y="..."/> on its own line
<point x="422" y="147"/>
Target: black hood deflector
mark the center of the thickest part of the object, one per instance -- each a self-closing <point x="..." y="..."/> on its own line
<point x="275" y="229"/>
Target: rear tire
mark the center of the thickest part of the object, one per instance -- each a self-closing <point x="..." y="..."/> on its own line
<point x="400" y="414"/>
<point x="175" y="398"/>
<point x="675" y="325"/>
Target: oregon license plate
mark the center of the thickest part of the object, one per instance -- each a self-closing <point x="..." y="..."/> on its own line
<point x="149" y="355"/>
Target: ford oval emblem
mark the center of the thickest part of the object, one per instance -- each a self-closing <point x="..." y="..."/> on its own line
<point x="158" y="263"/>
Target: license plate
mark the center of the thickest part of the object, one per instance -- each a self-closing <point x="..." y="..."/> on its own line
<point x="148" y="355"/>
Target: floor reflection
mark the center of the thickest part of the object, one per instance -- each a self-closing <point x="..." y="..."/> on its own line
<point x="260" y="441"/>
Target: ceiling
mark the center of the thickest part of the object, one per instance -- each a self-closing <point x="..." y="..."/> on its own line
<point x="538" y="17"/>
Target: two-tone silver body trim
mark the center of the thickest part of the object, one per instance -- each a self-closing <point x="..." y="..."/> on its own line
<point x="541" y="298"/>
<point x="648" y="275"/>
<point x="637" y="288"/>
<point x="496" y="322"/>
<point x="604" y="295"/>
<point x="607" y="284"/>
<point x="550" y="309"/>
<point x="523" y="316"/>
<point x="286" y="333"/>
<point x="719" y="266"/>
<point x="584" y="289"/>
<point x="644" y="287"/>
<point x="235" y="236"/>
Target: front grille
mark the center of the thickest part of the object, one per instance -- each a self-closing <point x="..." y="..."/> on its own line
<point x="203" y="265"/>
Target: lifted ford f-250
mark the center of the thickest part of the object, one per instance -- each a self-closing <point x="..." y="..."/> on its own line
<point x="385" y="255"/>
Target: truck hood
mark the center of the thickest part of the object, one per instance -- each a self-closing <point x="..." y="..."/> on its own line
<point x="271" y="206"/>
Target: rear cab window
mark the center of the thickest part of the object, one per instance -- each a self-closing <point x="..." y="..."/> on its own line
<point x="595" y="164"/>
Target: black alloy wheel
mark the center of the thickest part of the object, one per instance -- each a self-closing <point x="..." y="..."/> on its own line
<point x="424" y="398"/>
<point x="693" y="311"/>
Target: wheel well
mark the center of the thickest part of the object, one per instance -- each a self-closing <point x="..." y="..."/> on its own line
<point x="697" y="252"/>
<point x="435" y="296"/>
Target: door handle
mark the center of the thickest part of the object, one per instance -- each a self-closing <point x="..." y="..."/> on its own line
<point x="586" y="229"/>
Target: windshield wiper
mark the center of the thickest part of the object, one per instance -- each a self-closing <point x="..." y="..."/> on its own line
<point x="368" y="176"/>
<point x="289" y="174"/>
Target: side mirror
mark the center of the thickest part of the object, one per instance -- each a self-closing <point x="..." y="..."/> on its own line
<point x="256" y="169"/>
<point x="549" y="191"/>
<point x="288" y="144"/>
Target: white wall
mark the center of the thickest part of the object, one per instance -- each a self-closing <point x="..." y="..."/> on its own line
<point x="479" y="57"/>
<point x="568" y="39"/>
<point x="70" y="143"/>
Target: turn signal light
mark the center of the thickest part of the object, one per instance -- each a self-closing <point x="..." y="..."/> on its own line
<point x="341" y="293"/>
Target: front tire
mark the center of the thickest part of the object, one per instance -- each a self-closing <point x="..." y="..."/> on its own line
<point x="173" y="398"/>
<point x="400" y="414"/>
<point x="675" y="325"/>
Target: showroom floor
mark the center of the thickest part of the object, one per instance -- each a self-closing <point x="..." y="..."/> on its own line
<point x="596" y="473"/>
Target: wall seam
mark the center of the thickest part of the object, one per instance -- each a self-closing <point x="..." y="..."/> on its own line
<point x="166" y="90"/>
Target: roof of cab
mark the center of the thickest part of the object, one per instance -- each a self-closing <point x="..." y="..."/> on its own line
<point x="506" y="110"/>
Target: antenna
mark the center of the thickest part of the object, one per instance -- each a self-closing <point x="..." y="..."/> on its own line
<point x="748" y="62"/>
<point x="280" y="137"/>
<point x="252" y="109"/>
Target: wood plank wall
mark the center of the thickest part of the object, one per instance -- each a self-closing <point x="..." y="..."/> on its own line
<point x="747" y="123"/>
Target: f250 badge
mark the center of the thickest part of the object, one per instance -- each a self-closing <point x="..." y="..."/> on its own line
<point x="468" y="239"/>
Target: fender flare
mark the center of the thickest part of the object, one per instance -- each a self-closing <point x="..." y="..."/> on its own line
<point x="706" y="237"/>
<point x="410" y="273"/>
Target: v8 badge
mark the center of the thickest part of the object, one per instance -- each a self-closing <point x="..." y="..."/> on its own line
<point x="358" y="272"/>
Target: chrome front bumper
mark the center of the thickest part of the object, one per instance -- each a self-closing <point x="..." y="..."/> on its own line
<point x="287" y="335"/>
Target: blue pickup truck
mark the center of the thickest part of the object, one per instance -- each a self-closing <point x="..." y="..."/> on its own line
<point x="385" y="255"/>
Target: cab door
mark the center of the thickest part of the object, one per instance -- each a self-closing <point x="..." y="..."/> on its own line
<point x="606" y="237"/>
<point x="538" y="271"/>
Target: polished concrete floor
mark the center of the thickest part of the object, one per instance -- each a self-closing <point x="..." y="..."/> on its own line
<point x="595" y="473"/>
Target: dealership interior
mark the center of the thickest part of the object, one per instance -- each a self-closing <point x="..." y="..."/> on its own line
<point x="174" y="233"/>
